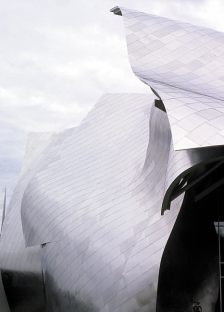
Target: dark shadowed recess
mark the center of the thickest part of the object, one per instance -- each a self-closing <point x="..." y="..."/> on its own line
<point x="28" y="296"/>
<point x="191" y="263"/>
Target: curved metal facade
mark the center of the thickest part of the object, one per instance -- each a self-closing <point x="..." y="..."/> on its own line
<point x="184" y="64"/>
<point x="84" y="230"/>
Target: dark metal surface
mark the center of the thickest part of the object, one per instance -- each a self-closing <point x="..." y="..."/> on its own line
<point x="116" y="10"/>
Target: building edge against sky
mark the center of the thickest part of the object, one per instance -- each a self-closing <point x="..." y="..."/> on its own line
<point x="3" y="299"/>
<point x="107" y="216"/>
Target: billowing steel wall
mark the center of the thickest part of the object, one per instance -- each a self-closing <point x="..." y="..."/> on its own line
<point x="184" y="64"/>
<point x="84" y="230"/>
<point x="102" y="196"/>
<point x="20" y="266"/>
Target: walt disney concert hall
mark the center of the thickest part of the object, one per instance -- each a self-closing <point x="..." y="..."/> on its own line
<point x="125" y="212"/>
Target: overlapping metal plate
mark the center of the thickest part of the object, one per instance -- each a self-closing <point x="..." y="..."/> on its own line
<point x="184" y="64"/>
<point x="84" y="230"/>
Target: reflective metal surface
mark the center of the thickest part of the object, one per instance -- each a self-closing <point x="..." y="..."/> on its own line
<point x="184" y="64"/>
<point x="93" y="197"/>
<point x="2" y="206"/>
<point x="91" y="210"/>
<point x="101" y="205"/>
<point x="3" y="299"/>
<point x="84" y="230"/>
<point x="21" y="266"/>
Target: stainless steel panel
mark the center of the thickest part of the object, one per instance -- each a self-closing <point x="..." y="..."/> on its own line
<point x="180" y="58"/>
<point x="84" y="230"/>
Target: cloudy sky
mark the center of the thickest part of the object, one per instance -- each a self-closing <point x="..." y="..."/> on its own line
<point x="59" y="56"/>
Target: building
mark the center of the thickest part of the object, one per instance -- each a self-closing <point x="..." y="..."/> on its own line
<point x="124" y="213"/>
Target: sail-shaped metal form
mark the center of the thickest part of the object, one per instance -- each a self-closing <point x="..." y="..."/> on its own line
<point x="184" y="64"/>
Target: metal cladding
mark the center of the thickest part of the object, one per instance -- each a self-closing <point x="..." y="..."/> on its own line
<point x="99" y="218"/>
<point x="3" y="300"/>
<point x="184" y="64"/>
<point x="101" y="208"/>
<point x="2" y="206"/>
<point x="21" y="266"/>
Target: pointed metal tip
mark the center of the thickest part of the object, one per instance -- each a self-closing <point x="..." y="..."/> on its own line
<point x="116" y="10"/>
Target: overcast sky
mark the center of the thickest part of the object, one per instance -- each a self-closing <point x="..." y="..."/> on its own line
<point x="59" y="56"/>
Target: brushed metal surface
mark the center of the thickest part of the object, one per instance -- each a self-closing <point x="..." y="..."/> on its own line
<point x="84" y="230"/>
<point x="184" y="65"/>
<point x="2" y="206"/>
